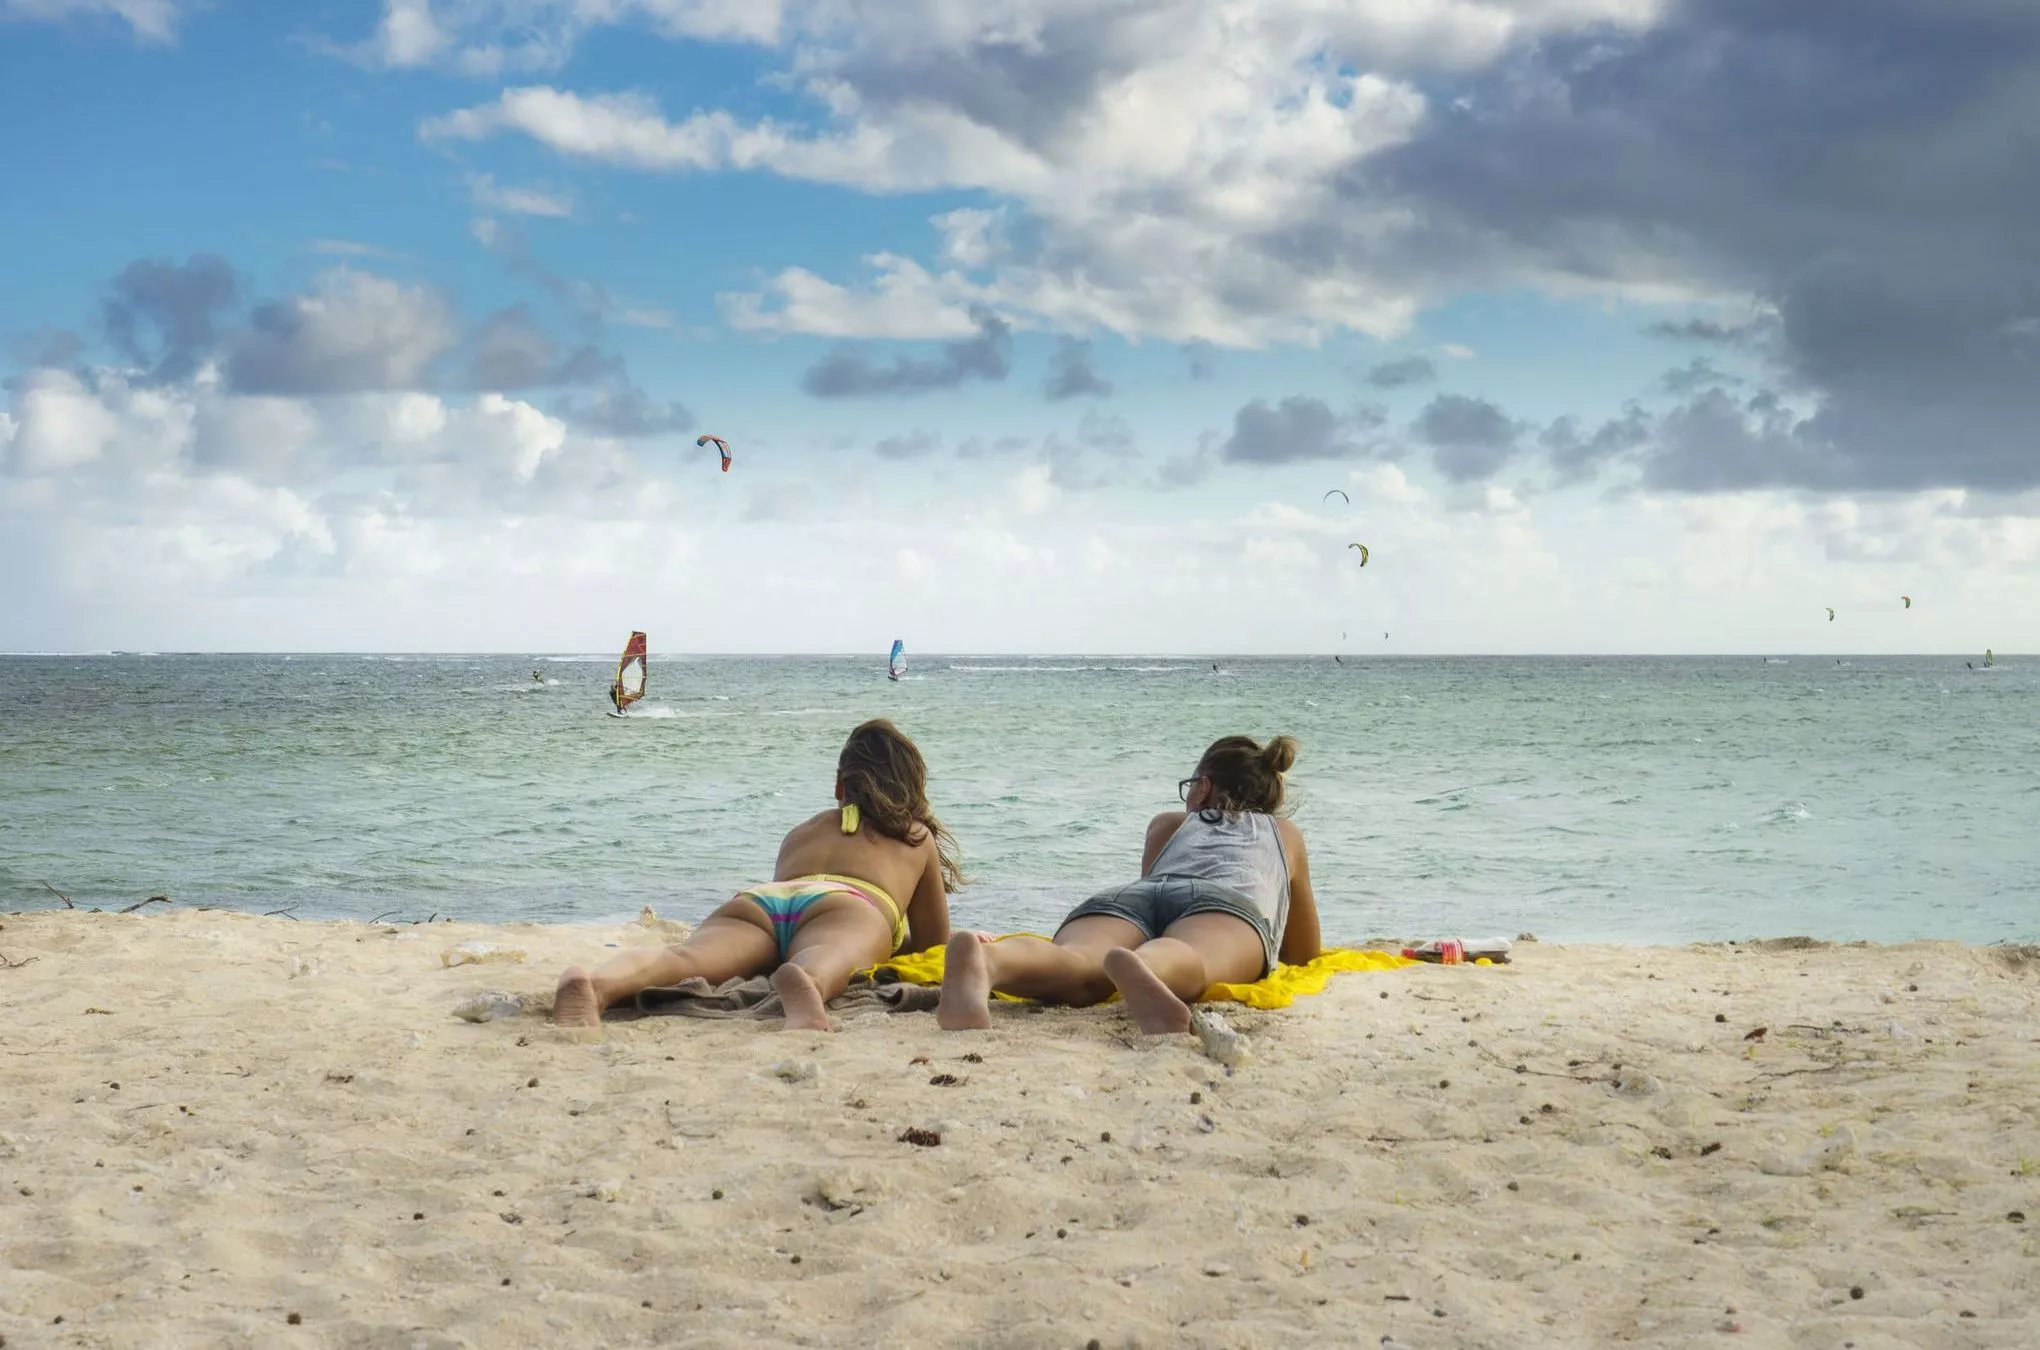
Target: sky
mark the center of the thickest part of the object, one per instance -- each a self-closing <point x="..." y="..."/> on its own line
<point x="1032" y="325"/>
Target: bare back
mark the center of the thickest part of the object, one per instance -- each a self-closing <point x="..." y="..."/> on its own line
<point x="910" y="873"/>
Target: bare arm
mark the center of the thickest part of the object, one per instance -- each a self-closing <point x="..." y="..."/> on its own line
<point x="928" y="911"/>
<point x="1301" y="940"/>
<point x="1160" y="831"/>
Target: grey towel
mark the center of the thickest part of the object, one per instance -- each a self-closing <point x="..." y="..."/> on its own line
<point x="753" y="996"/>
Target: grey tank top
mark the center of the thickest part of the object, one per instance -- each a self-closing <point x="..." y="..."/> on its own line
<point x="1242" y="852"/>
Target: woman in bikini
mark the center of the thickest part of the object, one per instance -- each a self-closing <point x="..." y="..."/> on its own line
<point x="1224" y="893"/>
<point x="829" y="909"/>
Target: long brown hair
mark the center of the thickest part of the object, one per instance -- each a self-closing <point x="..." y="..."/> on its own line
<point x="882" y="774"/>
<point x="1245" y="775"/>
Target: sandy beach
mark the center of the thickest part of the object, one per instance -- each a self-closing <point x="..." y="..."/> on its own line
<point x="225" y="1130"/>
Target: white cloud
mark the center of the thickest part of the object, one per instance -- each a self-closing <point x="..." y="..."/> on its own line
<point x="268" y="439"/>
<point x="903" y="300"/>
<point x="517" y="201"/>
<point x="58" y="425"/>
<point x="516" y="433"/>
<point x="421" y="522"/>
<point x="353" y="331"/>
<point x="971" y="237"/>
<point x="150" y="20"/>
<point x="1176" y="168"/>
<point x="1032" y="490"/>
<point x="491" y="37"/>
<point x="408" y="34"/>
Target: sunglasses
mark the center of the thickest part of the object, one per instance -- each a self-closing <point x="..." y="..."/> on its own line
<point x="1183" y="788"/>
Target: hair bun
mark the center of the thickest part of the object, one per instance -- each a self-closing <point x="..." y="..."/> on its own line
<point x="1279" y="754"/>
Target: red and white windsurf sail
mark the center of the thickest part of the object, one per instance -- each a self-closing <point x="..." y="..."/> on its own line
<point x="630" y="674"/>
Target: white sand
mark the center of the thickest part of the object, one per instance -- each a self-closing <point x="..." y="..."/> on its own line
<point x="196" y="1144"/>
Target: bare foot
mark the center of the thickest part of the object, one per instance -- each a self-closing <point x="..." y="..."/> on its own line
<point x="966" y="986"/>
<point x="1155" y="1010"/>
<point x="575" y="1003"/>
<point x="801" y="999"/>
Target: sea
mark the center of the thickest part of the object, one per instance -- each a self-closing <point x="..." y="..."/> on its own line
<point x="1629" y="800"/>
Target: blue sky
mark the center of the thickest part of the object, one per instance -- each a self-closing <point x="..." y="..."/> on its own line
<point x="1033" y="325"/>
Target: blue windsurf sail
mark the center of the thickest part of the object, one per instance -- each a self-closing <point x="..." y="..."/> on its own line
<point x="896" y="664"/>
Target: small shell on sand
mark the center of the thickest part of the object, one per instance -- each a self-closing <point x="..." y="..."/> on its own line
<point x="1219" y="1040"/>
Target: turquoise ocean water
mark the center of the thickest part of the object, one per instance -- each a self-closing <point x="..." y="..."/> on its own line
<point x="1623" y="799"/>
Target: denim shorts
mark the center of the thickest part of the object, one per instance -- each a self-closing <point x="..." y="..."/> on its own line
<point x="1153" y="903"/>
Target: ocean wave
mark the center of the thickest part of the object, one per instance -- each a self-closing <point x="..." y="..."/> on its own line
<point x="1786" y="813"/>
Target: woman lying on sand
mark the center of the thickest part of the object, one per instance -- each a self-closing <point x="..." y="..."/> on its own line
<point x="1224" y="891"/>
<point x="829" y="909"/>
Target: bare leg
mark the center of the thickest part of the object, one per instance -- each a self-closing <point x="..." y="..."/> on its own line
<point x="735" y="940"/>
<point x="839" y="934"/>
<point x="1163" y="977"/>
<point x="1154" y="1009"/>
<point x="1066" y="971"/>
<point x="966" y="985"/>
<point x="800" y="999"/>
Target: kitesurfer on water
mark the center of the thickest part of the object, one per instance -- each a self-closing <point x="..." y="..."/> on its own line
<point x="829" y="909"/>
<point x="1224" y="893"/>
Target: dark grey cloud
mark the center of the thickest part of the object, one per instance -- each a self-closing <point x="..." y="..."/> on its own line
<point x="1107" y="433"/>
<point x="1697" y="374"/>
<point x="512" y="350"/>
<point x="849" y="374"/>
<point x="623" y="410"/>
<point x="1470" y="438"/>
<point x="1402" y="373"/>
<point x="1576" y="456"/>
<point x="977" y="447"/>
<point x="1718" y="443"/>
<point x="1863" y="168"/>
<point x="1187" y="471"/>
<point x="1070" y="374"/>
<point x="354" y="333"/>
<point x="915" y="445"/>
<point x="46" y="346"/>
<point x="1297" y="429"/>
<point x="1700" y="330"/>
<point x="1030" y="85"/>
<point x="165" y="315"/>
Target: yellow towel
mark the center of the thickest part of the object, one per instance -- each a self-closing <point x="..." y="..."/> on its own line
<point x="1283" y="985"/>
<point x="926" y="967"/>
<point x="1279" y="988"/>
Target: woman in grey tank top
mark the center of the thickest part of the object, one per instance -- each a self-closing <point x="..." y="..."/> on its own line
<point x="1224" y="893"/>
